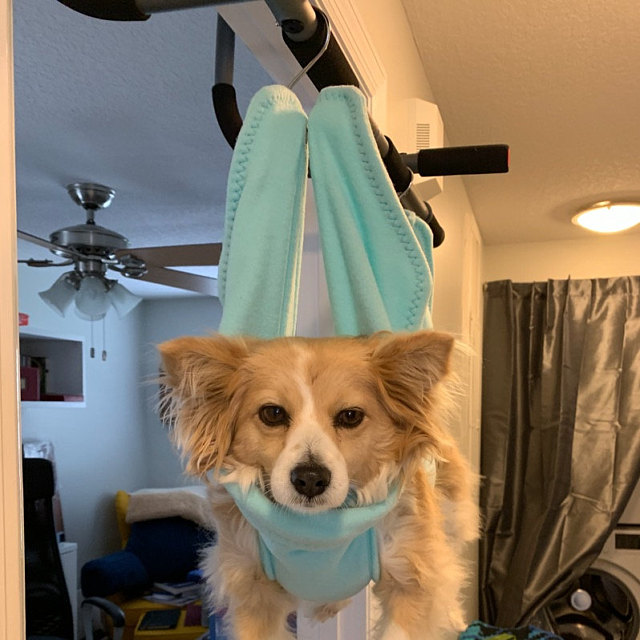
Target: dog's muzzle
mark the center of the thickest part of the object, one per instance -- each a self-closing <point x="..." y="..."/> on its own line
<point x="310" y="479"/>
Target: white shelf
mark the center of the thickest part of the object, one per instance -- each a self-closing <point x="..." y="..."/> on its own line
<point x="52" y="404"/>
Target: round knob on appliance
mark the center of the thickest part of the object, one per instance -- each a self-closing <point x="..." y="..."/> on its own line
<point x="581" y="600"/>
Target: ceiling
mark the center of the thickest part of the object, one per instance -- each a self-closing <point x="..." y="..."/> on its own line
<point x="128" y="105"/>
<point x="557" y="81"/>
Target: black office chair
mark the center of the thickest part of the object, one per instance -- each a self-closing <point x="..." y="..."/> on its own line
<point x="47" y="603"/>
<point x="48" y="607"/>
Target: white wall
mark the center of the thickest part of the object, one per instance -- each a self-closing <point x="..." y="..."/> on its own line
<point x="114" y="440"/>
<point x="594" y="257"/>
<point x="99" y="447"/>
<point x="160" y="320"/>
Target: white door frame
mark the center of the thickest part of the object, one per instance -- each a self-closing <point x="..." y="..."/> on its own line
<point x="11" y="554"/>
<point x="254" y="24"/>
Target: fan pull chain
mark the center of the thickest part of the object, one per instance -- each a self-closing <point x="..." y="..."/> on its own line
<point x="104" y="340"/>
<point x="92" y="351"/>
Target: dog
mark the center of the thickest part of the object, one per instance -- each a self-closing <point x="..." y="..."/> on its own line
<point x="311" y="425"/>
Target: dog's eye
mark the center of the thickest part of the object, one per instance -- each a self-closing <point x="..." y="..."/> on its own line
<point x="273" y="415"/>
<point x="349" y="418"/>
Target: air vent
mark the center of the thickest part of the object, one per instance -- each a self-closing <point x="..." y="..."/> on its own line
<point x="421" y="129"/>
<point x="423" y="135"/>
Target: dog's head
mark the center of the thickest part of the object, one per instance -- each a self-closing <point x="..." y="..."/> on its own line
<point x="308" y="418"/>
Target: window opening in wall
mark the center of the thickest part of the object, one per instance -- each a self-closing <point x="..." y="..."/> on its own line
<point x="51" y="369"/>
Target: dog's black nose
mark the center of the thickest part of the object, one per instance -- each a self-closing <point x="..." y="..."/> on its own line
<point x="310" y="479"/>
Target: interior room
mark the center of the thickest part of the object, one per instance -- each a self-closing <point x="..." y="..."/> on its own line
<point x="123" y="109"/>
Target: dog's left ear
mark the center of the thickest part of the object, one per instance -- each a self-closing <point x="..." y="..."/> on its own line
<point x="408" y="366"/>
<point x="416" y="360"/>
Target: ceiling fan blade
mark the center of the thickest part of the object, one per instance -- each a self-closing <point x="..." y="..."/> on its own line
<point x="71" y="253"/>
<point x="184" y="255"/>
<point x="181" y="280"/>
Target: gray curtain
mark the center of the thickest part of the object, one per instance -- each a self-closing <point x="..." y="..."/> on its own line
<point x="560" y="434"/>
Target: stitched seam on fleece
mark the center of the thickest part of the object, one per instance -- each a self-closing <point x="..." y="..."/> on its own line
<point x="237" y="176"/>
<point x="408" y="240"/>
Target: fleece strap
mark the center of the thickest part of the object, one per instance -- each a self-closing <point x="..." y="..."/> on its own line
<point x="259" y="272"/>
<point x="378" y="258"/>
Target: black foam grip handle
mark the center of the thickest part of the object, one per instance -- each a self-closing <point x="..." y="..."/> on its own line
<point x="332" y="68"/>
<point x="124" y="10"/>
<point x="434" y="225"/>
<point x="398" y="171"/>
<point x="225" y="105"/>
<point x="457" y="161"/>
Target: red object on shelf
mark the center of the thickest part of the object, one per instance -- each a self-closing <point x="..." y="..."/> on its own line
<point x="29" y="383"/>
<point x="23" y="319"/>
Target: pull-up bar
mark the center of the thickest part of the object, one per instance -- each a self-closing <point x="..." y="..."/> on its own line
<point x="306" y="32"/>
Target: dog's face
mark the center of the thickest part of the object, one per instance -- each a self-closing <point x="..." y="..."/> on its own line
<point x="309" y="418"/>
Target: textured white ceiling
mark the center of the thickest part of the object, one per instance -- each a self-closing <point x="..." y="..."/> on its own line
<point x="127" y="105"/>
<point x="557" y="81"/>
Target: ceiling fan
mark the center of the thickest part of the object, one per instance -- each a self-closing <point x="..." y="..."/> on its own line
<point x="93" y="249"/>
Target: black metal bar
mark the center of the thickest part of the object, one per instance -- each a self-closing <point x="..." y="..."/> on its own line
<point x="115" y="10"/>
<point x="332" y="68"/>
<point x="225" y="106"/>
<point x="223" y="93"/>
<point x="225" y="47"/>
<point x="296" y="17"/>
<point x="401" y="176"/>
<point x="423" y="210"/>
<point x="458" y="161"/>
<point x="161" y="6"/>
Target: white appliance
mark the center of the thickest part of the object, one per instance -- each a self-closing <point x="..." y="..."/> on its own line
<point x="631" y="515"/>
<point x="604" y="604"/>
<point x="69" y="558"/>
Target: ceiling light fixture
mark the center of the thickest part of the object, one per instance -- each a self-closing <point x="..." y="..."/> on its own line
<point x="92" y="293"/>
<point x="608" y="217"/>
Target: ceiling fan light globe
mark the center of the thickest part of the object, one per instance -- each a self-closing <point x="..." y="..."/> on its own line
<point x="60" y="295"/>
<point x="122" y="300"/>
<point x="90" y="318"/>
<point x="92" y="302"/>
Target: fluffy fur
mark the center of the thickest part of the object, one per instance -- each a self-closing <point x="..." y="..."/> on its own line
<point x="368" y="411"/>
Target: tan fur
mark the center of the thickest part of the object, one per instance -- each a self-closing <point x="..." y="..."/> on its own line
<point x="217" y="386"/>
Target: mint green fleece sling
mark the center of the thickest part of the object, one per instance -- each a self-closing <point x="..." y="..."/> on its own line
<point x="259" y="271"/>
<point x="378" y="257"/>
<point x="379" y="269"/>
